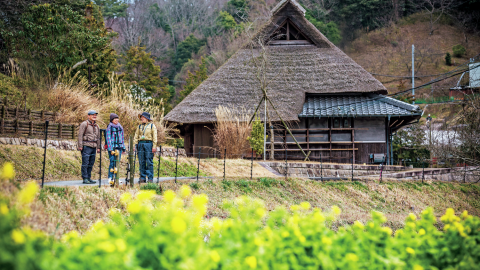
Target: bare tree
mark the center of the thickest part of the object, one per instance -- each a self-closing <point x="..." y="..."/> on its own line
<point x="435" y="9"/>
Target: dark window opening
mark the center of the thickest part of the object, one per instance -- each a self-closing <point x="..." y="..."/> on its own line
<point x="288" y="33"/>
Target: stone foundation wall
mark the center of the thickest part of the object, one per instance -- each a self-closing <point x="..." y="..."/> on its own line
<point x="72" y="145"/>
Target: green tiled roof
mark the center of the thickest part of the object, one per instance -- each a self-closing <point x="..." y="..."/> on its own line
<point x="356" y="105"/>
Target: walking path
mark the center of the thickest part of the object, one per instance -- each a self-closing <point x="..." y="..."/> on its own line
<point x="74" y="183"/>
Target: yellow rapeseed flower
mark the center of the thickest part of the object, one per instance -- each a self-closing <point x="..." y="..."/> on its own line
<point x="27" y="194"/>
<point x="302" y="239"/>
<point x="295" y="207"/>
<point x="145" y="195"/>
<point x="326" y="241"/>
<point x="134" y="207"/>
<point x="216" y="224"/>
<point x="336" y="210"/>
<point x="200" y="203"/>
<point x="3" y="209"/>
<point x="387" y="230"/>
<point x="251" y="261"/>
<point x="169" y="195"/>
<point x="285" y="234"/>
<point x="358" y="224"/>
<point x="106" y="246"/>
<point x="121" y="245"/>
<point x="260" y="212"/>
<point x="18" y="237"/>
<point x="411" y="217"/>
<point x="464" y="215"/>
<point x="421" y="232"/>
<point x="126" y="197"/>
<point x="185" y="191"/>
<point x="410" y="250"/>
<point x="318" y="217"/>
<point x="8" y="172"/>
<point x="351" y="257"/>
<point x="70" y="235"/>
<point x="305" y="205"/>
<point x="214" y="256"/>
<point x="178" y="225"/>
<point x="449" y="216"/>
<point x="417" y="267"/>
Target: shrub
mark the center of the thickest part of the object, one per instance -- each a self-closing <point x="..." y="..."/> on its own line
<point x="152" y="186"/>
<point x="458" y="50"/>
<point x="448" y="59"/>
<point x="256" y="136"/>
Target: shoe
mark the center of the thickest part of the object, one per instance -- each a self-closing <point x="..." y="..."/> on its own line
<point x="150" y="181"/>
<point x="142" y="181"/>
<point x="85" y="181"/>
<point x="92" y="182"/>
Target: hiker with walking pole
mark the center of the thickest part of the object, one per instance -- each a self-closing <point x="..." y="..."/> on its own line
<point x="145" y="142"/>
<point x="89" y="145"/>
<point x="114" y="142"/>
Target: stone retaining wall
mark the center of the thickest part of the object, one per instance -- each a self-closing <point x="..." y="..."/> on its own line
<point x="72" y="145"/>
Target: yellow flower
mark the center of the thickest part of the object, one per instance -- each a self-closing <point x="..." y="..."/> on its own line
<point x="126" y="197"/>
<point x="421" y="232"/>
<point x="169" y="195"/>
<point x="106" y="246"/>
<point x="214" y="256"/>
<point x="97" y="225"/>
<point x="410" y="250"/>
<point x="387" y="230"/>
<point x="417" y="267"/>
<point x="120" y="244"/>
<point x="351" y="257"/>
<point x="464" y="215"/>
<point x="319" y="217"/>
<point x="371" y="224"/>
<point x="146" y="195"/>
<point x="134" y="207"/>
<point x="294" y="207"/>
<point x="8" y="172"/>
<point x="216" y="224"/>
<point x="305" y="205"/>
<point x="18" y="237"/>
<point x="411" y="225"/>
<point x="336" y="210"/>
<point x="302" y="239"/>
<point x="257" y="241"/>
<point x="449" y="216"/>
<point x="411" y="217"/>
<point x="251" y="261"/>
<point x="185" y="191"/>
<point x="358" y="224"/>
<point x="326" y="241"/>
<point x="70" y="235"/>
<point x="200" y="203"/>
<point x="285" y="234"/>
<point x="27" y="194"/>
<point x="178" y="225"/>
<point x="3" y="209"/>
<point x="260" y="212"/>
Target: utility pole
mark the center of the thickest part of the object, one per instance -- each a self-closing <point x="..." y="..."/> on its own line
<point x="413" y="73"/>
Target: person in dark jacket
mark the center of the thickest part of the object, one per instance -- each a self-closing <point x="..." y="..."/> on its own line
<point x="89" y="145"/>
<point x="115" y="142"/>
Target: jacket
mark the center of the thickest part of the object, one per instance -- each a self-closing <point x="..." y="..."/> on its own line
<point x="88" y="134"/>
<point x="149" y="130"/>
<point x="115" y="138"/>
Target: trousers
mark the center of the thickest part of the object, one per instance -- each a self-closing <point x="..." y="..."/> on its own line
<point x="112" y="161"/>
<point x="145" y="159"/>
<point x="88" y="159"/>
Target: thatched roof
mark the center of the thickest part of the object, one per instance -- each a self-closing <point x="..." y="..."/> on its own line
<point x="292" y="70"/>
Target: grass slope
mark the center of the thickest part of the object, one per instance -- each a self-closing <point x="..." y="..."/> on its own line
<point x="57" y="210"/>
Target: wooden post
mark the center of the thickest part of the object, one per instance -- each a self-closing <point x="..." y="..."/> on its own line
<point x="30" y="132"/>
<point x="60" y="130"/>
<point x="16" y="113"/>
<point x="2" y="129"/>
<point x="73" y="131"/>
<point x="42" y="115"/>
<point x="29" y="112"/>
<point x="17" y="125"/>
<point x="3" y="112"/>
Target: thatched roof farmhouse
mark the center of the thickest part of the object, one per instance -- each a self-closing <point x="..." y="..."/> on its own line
<point x="335" y="101"/>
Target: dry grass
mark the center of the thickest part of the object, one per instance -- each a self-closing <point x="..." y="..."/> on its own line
<point x="231" y="131"/>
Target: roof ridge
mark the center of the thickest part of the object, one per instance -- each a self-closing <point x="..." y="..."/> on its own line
<point x="283" y="2"/>
<point x="397" y="102"/>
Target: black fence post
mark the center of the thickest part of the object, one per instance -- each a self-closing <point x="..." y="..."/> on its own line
<point x="176" y="166"/>
<point x="352" y="169"/>
<point x="465" y="171"/>
<point x="224" y="162"/>
<point x="286" y="163"/>
<point x="45" y="153"/>
<point x="381" y="170"/>
<point x="251" y="167"/>
<point x="159" y="163"/>
<point x="321" y="167"/>
<point x="198" y="166"/>
<point x="423" y="171"/>
<point x="100" y="172"/>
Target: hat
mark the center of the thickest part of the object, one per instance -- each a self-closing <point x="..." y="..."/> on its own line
<point x="146" y="115"/>
<point x="92" y="112"/>
<point x="113" y="116"/>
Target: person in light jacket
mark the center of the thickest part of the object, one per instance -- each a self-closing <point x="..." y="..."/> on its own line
<point x="114" y="142"/>
<point x="89" y="145"/>
<point x="145" y="141"/>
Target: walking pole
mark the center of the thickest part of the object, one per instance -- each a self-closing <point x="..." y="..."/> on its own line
<point x="100" y="171"/>
<point x="45" y="152"/>
<point x="176" y="166"/>
<point x="198" y="166"/>
<point x="159" y="163"/>
<point x="251" y="167"/>
<point x="131" y="161"/>
<point x="224" y="161"/>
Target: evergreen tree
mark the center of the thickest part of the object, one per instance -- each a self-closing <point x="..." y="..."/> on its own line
<point x="185" y="49"/>
<point x="256" y="139"/>
<point x="144" y="75"/>
<point x="194" y="80"/>
<point x="448" y="59"/>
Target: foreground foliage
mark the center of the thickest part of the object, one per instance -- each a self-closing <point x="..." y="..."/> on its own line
<point x="173" y="234"/>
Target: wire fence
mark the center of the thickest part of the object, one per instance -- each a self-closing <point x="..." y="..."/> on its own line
<point x="235" y="165"/>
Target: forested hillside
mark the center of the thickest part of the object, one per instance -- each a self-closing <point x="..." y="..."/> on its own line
<point x="162" y="49"/>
